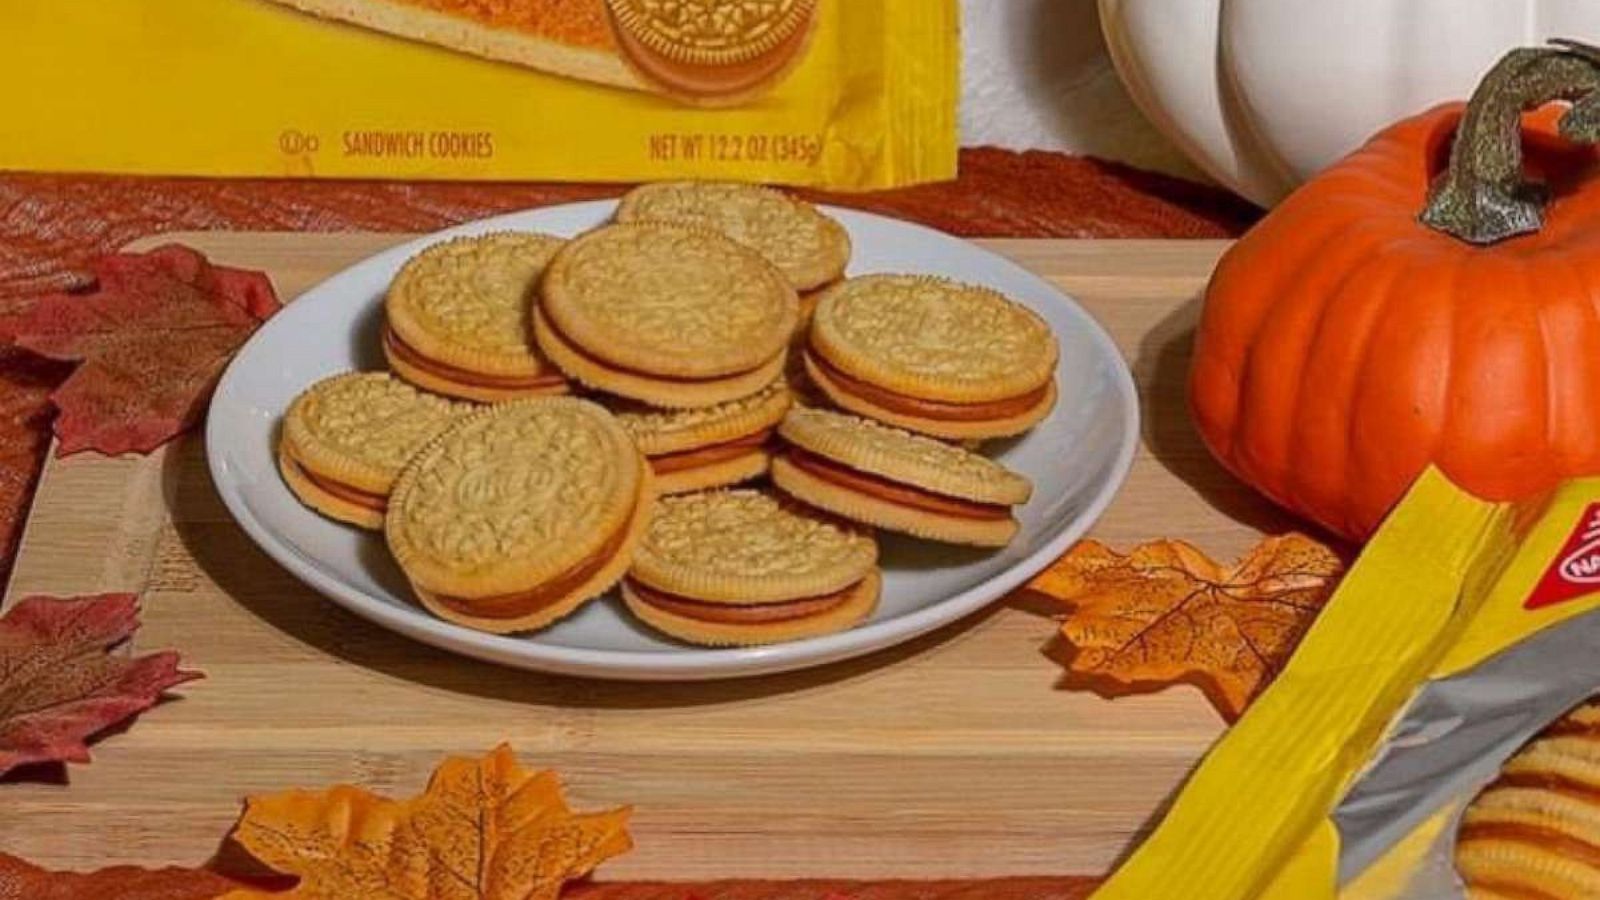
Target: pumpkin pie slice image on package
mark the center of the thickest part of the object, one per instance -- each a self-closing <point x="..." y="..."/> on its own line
<point x="1419" y="743"/>
<point x="701" y="51"/>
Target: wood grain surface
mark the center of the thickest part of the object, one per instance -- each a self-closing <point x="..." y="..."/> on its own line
<point x="953" y="756"/>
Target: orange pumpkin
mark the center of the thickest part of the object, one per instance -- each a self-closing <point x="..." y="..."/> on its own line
<point x="1370" y="326"/>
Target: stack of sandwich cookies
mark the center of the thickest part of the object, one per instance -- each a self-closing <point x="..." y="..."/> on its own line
<point x="457" y="318"/>
<point x="346" y="439"/>
<point x="739" y="568"/>
<point x="713" y="446"/>
<point x="672" y="316"/>
<point x="1531" y="834"/>
<point x="934" y="356"/>
<point x="884" y="476"/>
<point x="519" y="513"/>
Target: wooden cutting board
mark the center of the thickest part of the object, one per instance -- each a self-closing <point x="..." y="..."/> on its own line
<point x="956" y="755"/>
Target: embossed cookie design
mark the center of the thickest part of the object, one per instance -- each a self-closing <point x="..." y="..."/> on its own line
<point x="715" y="446"/>
<point x="345" y="440"/>
<point x="884" y="476"/>
<point x="668" y="315"/>
<point x="933" y="356"/>
<point x="457" y="318"/>
<point x="810" y="249"/>
<point x="712" y="52"/>
<point x="519" y="513"/>
<point x="725" y="568"/>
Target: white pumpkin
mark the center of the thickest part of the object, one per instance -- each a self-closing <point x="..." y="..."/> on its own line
<point x="1262" y="94"/>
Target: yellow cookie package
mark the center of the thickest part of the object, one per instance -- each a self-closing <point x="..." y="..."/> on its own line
<point x="843" y="94"/>
<point x="1427" y="738"/>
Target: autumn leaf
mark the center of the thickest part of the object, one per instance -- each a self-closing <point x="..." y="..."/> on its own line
<point x="1166" y="613"/>
<point x="59" y="682"/>
<point x="26" y="382"/>
<point x="486" y="829"/>
<point x="151" y="341"/>
<point x="23" y="880"/>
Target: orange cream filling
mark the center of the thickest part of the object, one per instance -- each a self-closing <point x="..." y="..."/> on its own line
<point x="930" y="409"/>
<point x="668" y="463"/>
<point x="578" y="23"/>
<point x="571" y="346"/>
<point x="526" y="603"/>
<point x="894" y="492"/>
<point x="726" y="614"/>
<point x="1551" y="839"/>
<point x="345" y="492"/>
<point x="411" y="356"/>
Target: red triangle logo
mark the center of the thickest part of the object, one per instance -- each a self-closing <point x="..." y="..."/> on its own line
<point x="1576" y="571"/>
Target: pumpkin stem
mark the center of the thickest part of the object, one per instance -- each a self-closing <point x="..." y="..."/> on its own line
<point x="1483" y="198"/>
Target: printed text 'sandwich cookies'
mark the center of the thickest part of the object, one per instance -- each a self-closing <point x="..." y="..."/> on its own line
<point x="346" y="438"/>
<point x="894" y="479"/>
<point x="934" y="356"/>
<point x="733" y="568"/>
<point x="671" y="316"/>
<point x="520" y="513"/>
<point x="457" y="318"/>
<point x="715" y="446"/>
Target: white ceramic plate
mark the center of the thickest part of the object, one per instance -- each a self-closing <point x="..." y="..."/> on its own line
<point x="1077" y="459"/>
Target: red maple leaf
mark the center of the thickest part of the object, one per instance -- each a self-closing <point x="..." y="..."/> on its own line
<point x="25" y="414"/>
<point x="59" y="682"/>
<point x="20" y="878"/>
<point x="151" y="340"/>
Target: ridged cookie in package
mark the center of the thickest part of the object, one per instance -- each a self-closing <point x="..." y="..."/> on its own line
<point x="1430" y="738"/>
<point x="845" y="94"/>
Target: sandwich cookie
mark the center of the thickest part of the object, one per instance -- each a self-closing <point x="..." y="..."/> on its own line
<point x="883" y="476"/>
<point x="1535" y="830"/>
<point x="715" y="446"/>
<point x="933" y="356"/>
<point x="519" y="513"/>
<point x="457" y="318"/>
<point x="739" y="568"/>
<point x="809" y="248"/>
<point x="669" y="315"/>
<point x="346" y="438"/>
<point x="712" y="52"/>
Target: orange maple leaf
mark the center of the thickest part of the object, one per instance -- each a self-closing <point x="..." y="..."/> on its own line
<point x="483" y="830"/>
<point x="1166" y="613"/>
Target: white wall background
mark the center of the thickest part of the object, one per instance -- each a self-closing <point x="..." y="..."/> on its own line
<point x="1036" y="76"/>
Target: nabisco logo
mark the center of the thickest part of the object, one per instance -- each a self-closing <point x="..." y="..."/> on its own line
<point x="1583" y="564"/>
<point x="1576" y="571"/>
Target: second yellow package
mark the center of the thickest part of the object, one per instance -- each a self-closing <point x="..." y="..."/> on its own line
<point x="1391" y="759"/>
